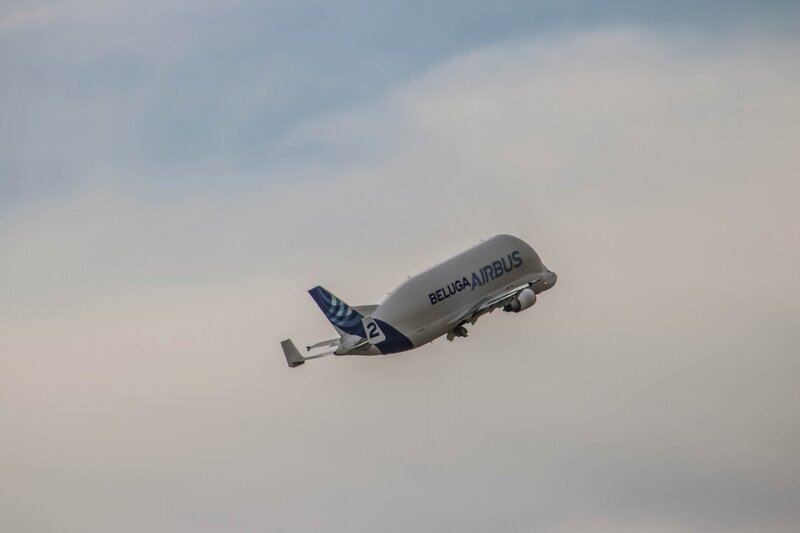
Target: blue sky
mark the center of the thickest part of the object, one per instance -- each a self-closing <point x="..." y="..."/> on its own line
<point x="175" y="176"/>
<point x="162" y="90"/>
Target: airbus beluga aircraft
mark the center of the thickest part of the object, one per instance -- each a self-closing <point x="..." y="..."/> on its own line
<point x="500" y="273"/>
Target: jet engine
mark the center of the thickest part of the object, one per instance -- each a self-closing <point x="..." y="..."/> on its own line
<point x="525" y="299"/>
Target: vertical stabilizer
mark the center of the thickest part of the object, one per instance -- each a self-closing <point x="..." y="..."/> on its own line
<point x="341" y="316"/>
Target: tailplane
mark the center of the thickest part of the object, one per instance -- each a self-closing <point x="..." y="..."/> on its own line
<point x="293" y="356"/>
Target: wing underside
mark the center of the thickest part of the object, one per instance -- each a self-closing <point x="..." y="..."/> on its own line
<point x="489" y="305"/>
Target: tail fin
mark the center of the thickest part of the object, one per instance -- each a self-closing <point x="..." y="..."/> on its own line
<point x="341" y="316"/>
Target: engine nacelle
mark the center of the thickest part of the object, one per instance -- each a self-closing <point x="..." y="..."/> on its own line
<point x="525" y="299"/>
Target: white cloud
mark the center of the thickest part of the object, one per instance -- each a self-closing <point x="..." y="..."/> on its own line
<point x="143" y="388"/>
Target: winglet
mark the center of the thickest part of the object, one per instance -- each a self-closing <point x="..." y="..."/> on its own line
<point x="293" y="356"/>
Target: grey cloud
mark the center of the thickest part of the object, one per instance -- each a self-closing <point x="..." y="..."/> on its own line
<point x="655" y="388"/>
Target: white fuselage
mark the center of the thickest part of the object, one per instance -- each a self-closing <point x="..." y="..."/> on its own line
<point x="425" y="306"/>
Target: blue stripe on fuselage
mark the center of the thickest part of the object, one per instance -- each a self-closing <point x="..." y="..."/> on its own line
<point x="395" y="341"/>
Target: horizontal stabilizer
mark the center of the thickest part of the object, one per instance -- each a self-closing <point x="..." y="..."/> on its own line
<point x="293" y="356"/>
<point x="327" y="344"/>
<point x="317" y="356"/>
<point x="366" y="310"/>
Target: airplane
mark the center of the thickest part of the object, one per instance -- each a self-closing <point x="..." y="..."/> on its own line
<point x="502" y="272"/>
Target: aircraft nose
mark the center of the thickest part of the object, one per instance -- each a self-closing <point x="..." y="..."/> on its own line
<point x="553" y="277"/>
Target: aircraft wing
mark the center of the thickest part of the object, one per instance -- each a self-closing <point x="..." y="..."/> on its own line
<point x="490" y="304"/>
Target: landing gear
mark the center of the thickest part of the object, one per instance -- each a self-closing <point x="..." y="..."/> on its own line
<point x="458" y="331"/>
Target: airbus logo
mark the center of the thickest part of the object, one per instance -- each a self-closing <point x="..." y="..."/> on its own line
<point x="485" y="274"/>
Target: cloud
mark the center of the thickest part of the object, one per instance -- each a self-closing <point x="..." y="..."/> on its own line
<point x="654" y="388"/>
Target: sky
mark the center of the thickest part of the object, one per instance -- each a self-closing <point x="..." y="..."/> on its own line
<point x="174" y="176"/>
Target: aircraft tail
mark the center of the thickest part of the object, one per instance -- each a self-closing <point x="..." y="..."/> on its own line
<point x="341" y="316"/>
<point x="293" y="356"/>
